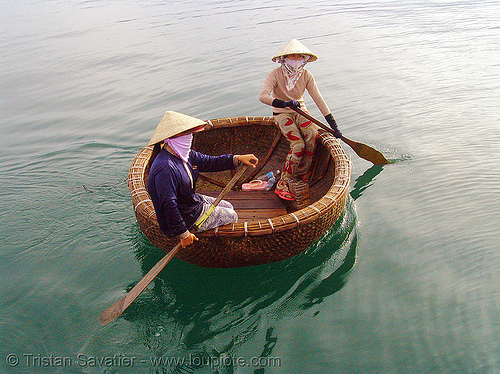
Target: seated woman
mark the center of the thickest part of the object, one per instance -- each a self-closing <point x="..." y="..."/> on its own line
<point x="173" y="175"/>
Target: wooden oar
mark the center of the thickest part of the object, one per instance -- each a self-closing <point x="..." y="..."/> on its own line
<point x="362" y="150"/>
<point x="115" y="310"/>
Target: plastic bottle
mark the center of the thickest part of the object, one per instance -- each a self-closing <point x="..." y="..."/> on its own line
<point x="268" y="176"/>
<point x="270" y="183"/>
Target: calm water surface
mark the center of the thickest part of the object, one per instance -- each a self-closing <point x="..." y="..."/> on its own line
<point x="406" y="282"/>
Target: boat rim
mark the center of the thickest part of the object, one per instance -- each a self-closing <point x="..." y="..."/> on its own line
<point x="335" y="195"/>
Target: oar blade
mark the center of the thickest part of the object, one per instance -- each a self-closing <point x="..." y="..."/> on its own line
<point x="116" y="310"/>
<point x="362" y="150"/>
<point x="112" y="313"/>
<point x="366" y="152"/>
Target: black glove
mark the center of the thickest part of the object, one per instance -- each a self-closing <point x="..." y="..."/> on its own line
<point x="294" y="104"/>
<point x="331" y="121"/>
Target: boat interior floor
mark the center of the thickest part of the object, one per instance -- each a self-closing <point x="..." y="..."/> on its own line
<point x="253" y="205"/>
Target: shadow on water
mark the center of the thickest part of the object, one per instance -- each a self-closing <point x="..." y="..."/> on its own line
<point x="365" y="180"/>
<point x="210" y="313"/>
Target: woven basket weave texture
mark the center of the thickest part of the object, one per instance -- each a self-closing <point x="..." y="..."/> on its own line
<point x="255" y="242"/>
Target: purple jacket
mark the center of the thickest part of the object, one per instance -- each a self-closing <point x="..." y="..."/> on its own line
<point x="173" y="194"/>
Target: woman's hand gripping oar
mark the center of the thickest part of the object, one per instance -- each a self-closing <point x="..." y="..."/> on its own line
<point x="115" y="310"/>
<point x="362" y="150"/>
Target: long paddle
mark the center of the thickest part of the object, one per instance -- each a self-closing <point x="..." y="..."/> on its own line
<point x="115" y="310"/>
<point x="362" y="150"/>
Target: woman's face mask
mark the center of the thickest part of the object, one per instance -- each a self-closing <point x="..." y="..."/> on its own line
<point x="181" y="145"/>
<point x="294" y="63"/>
<point x="293" y="67"/>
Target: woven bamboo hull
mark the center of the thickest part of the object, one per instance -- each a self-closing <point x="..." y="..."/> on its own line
<point x="260" y="241"/>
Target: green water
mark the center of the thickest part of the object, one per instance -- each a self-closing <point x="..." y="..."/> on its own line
<point x="406" y="282"/>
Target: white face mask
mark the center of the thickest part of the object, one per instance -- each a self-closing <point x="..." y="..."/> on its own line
<point x="294" y="63"/>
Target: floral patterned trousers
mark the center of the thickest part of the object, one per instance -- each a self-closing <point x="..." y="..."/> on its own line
<point x="302" y="135"/>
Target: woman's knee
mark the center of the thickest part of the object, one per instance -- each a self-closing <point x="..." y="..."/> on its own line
<point x="226" y="204"/>
<point x="297" y="145"/>
<point x="233" y="215"/>
<point x="227" y="216"/>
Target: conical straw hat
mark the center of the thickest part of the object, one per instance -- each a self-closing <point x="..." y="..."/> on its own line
<point x="295" y="47"/>
<point x="172" y="124"/>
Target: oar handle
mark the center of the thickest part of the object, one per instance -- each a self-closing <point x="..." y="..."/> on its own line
<point x="223" y="193"/>
<point x="313" y="120"/>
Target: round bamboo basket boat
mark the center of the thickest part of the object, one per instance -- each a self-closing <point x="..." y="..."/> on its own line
<point x="262" y="239"/>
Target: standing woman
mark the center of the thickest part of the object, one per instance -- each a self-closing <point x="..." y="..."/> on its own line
<point x="284" y="89"/>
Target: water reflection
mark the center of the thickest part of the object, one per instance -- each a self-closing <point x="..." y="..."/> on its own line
<point x="207" y="312"/>
<point x="364" y="181"/>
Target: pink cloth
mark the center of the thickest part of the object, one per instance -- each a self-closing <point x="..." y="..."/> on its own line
<point x="181" y="145"/>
